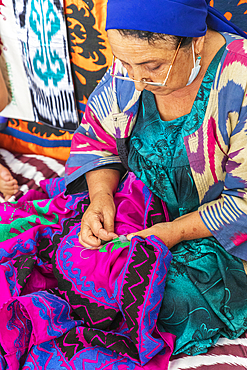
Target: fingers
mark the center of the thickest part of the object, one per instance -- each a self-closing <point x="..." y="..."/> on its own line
<point x="98" y="229"/>
<point x="6" y="176"/>
<point x="8" y="188"/>
<point x="106" y="232"/>
<point x="108" y="218"/>
<point x="94" y="243"/>
<point x="98" y="222"/>
<point x="7" y="197"/>
<point x="87" y="237"/>
<point x="92" y="234"/>
<point x="143" y="234"/>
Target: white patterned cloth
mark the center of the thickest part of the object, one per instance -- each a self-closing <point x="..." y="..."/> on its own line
<point x="36" y="51"/>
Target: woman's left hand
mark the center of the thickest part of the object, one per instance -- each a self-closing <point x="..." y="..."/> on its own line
<point x="186" y="227"/>
<point x="165" y="231"/>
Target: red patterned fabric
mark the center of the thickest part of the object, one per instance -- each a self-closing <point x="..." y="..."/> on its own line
<point x="30" y="169"/>
<point x="226" y="355"/>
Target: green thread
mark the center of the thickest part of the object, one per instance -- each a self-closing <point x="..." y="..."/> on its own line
<point x="116" y="245"/>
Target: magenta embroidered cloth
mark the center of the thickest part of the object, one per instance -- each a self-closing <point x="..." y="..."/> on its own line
<point x="62" y="306"/>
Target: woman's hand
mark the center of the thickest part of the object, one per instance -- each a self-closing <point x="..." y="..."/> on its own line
<point x="3" y="92"/>
<point x="186" y="227"/>
<point x="98" y="221"/>
<point x="165" y="231"/>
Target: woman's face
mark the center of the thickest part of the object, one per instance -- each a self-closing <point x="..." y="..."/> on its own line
<point x="152" y="61"/>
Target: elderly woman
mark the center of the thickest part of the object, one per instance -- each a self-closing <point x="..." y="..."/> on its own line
<point x="172" y="109"/>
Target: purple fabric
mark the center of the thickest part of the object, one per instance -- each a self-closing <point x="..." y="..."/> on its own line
<point x="62" y="306"/>
<point x="3" y="123"/>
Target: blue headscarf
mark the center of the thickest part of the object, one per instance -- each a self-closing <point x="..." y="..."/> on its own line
<point x="187" y="18"/>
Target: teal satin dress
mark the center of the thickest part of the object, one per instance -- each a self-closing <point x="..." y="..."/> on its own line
<point x="206" y="288"/>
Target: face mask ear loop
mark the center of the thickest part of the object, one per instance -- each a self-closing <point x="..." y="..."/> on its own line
<point x="196" y="68"/>
<point x="193" y="53"/>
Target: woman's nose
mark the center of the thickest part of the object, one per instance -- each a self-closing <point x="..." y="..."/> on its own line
<point x="140" y="85"/>
<point x="138" y="76"/>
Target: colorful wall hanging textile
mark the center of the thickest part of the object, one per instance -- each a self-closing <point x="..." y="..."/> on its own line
<point x="89" y="48"/>
<point x="21" y="104"/>
<point x="41" y="40"/>
<point x="36" y="138"/>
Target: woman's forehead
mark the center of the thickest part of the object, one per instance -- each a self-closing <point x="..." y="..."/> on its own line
<point x="127" y="44"/>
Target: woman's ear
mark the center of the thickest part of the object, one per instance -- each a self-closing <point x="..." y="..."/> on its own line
<point x="198" y="44"/>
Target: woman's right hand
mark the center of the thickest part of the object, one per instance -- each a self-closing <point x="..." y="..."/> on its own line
<point x="98" y="221"/>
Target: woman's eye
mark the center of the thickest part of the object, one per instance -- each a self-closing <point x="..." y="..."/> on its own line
<point x="155" y="68"/>
<point x="125" y="64"/>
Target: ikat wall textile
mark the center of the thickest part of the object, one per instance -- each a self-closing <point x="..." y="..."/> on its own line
<point x="88" y="45"/>
<point x="21" y="105"/>
<point x="35" y="31"/>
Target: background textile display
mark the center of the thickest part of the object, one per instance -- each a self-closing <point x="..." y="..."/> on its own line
<point x="29" y="137"/>
<point x="88" y="46"/>
<point x="40" y="37"/>
<point x="90" y="57"/>
<point x="21" y="104"/>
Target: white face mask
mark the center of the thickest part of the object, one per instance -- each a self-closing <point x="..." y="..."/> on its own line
<point x="195" y="70"/>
